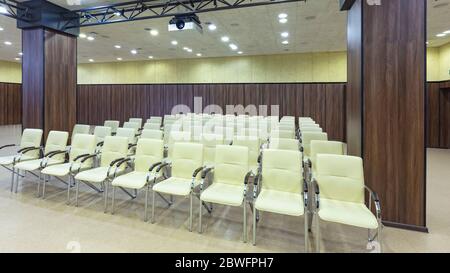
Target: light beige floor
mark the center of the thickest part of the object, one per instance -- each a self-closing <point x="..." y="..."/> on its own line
<point x="29" y="224"/>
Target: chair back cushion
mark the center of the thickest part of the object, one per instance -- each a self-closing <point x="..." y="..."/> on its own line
<point x="31" y="138"/>
<point x="282" y="170"/>
<point x="177" y="136"/>
<point x="186" y="157"/>
<point x="56" y="141"/>
<point x="231" y="164"/>
<point x="307" y="137"/>
<point x="80" y="129"/>
<point x="113" y="124"/>
<point x="325" y="147"/>
<point x="82" y="144"/>
<point x="114" y="147"/>
<point x="253" y="144"/>
<point x="151" y="133"/>
<point x="129" y="133"/>
<point x="284" y="144"/>
<point x="210" y="141"/>
<point x="148" y="152"/>
<point x="100" y="132"/>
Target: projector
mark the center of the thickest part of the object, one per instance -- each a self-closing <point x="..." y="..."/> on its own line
<point x="185" y="22"/>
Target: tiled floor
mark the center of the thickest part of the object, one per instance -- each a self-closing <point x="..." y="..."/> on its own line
<point x="30" y="224"/>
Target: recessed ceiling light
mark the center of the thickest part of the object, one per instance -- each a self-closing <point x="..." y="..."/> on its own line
<point x="1" y="28"/>
<point x="283" y="20"/>
<point x="133" y="51"/>
<point x="90" y="38"/>
<point x="285" y="34"/>
<point x="7" y="43"/>
<point x="91" y="60"/>
<point x="119" y="59"/>
<point x="117" y="13"/>
<point x="150" y="57"/>
<point x="185" y="48"/>
<point x="118" y="46"/>
<point x="174" y="42"/>
<point x="239" y="52"/>
<point x="441" y="35"/>
<point x="82" y="35"/>
<point x="189" y="50"/>
<point x="199" y="54"/>
<point x="212" y="27"/>
<point x="20" y="53"/>
<point x="3" y="10"/>
<point x="17" y="59"/>
<point x="446" y="32"/>
<point x="233" y="46"/>
<point x="225" y="39"/>
<point x="285" y="42"/>
<point x="154" y="32"/>
<point x="282" y="15"/>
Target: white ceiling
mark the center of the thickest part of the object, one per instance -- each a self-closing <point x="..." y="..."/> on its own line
<point x="314" y="26"/>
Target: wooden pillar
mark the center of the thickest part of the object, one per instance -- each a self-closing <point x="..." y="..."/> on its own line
<point x="386" y="104"/>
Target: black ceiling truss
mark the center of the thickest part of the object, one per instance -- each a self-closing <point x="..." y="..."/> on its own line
<point x="15" y="10"/>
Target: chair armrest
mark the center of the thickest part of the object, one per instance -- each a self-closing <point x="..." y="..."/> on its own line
<point x="28" y="149"/>
<point x="247" y="177"/>
<point x="255" y="185"/>
<point x="119" y="163"/>
<point x="154" y="166"/>
<point x="80" y="156"/>
<point x="162" y="166"/>
<point x="206" y="171"/>
<point x="316" y="192"/>
<point x="195" y="173"/>
<point x="52" y="154"/>
<point x="131" y="145"/>
<point x="87" y="157"/>
<point x="376" y="200"/>
<point x="9" y="145"/>
<point x="100" y="144"/>
<point x="114" y="162"/>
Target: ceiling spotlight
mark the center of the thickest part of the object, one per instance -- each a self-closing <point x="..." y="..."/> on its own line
<point x="285" y="42"/>
<point x="17" y="59"/>
<point x="82" y="35"/>
<point x="282" y="15"/>
<point x="212" y="27"/>
<point x="118" y="46"/>
<point x="446" y="32"/>
<point x="174" y="42"/>
<point x="441" y="35"/>
<point x="1" y="29"/>
<point x="119" y="59"/>
<point x="233" y="46"/>
<point x="133" y="51"/>
<point x="185" y="48"/>
<point x="20" y="53"/>
<point x="199" y="54"/>
<point x="91" y="60"/>
<point x="283" y="20"/>
<point x="7" y="43"/>
<point x="239" y="52"/>
<point x="154" y="32"/>
<point x="90" y="38"/>
<point x="189" y="50"/>
<point x="3" y="10"/>
<point x="225" y="39"/>
<point x="285" y="34"/>
<point x="150" y="57"/>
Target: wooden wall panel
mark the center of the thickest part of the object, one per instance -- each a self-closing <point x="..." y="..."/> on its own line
<point x="10" y="103"/>
<point x="433" y="115"/>
<point x="314" y="96"/>
<point x="445" y="117"/>
<point x="335" y="117"/>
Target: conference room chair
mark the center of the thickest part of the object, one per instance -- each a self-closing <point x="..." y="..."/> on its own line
<point x="83" y="145"/>
<point x="302" y="119"/>
<point x="136" y="120"/>
<point x="152" y="134"/>
<point x="339" y="195"/>
<point x="210" y="142"/>
<point x="227" y="132"/>
<point x="254" y="147"/>
<point x="185" y="168"/>
<point x="55" y="144"/>
<point x="284" y="144"/>
<point x="29" y="149"/>
<point x="100" y="132"/>
<point x="130" y="134"/>
<point x="309" y="125"/>
<point x="174" y="137"/>
<point x="283" y="189"/>
<point x="276" y="133"/>
<point x="80" y="129"/>
<point x="152" y="126"/>
<point x="229" y="183"/>
<point x="132" y="125"/>
<point x="304" y="129"/>
<point x="306" y="139"/>
<point x="149" y="155"/>
<point x="155" y="119"/>
<point x="113" y="124"/>
<point x="323" y="147"/>
<point x="115" y="149"/>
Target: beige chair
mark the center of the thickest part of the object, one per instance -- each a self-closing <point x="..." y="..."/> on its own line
<point x="115" y="149"/>
<point x="339" y="195"/>
<point x="132" y="125"/>
<point x="284" y="144"/>
<point x="149" y="155"/>
<point x="210" y="142"/>
<point x="80" y="129"/>
<point x="155" y="119"/>
<point x="276" y="133"/>
<point x="254" y="147"/>
<point x="130" y="134"/>
<point x="174" y="137"/>
<point x="29" y="149"/>
<point x="100" y="132"/>
<point x="113" y="124"/>
<point x="152" y="126"/>
<point x="230" y="178"/>
<point x="54" y="153"/>
<point x="186" y="165"/>
<point x="283" y="188"/>
<point x="136" y="120"/>
<point x="307" y="137"/>
<point x="323" y="147"/>
<point x="226" y="132"/>
<point x="83" y="145"/>
<point x="153" y="134"/>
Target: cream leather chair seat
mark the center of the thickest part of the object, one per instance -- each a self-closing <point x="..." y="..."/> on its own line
<point x="347" y="213"/>
<point x="95" y="175"/>
<point x="9" y="159"/>
<point x="176" y="186"/>
<point x="225" y="194"/>
<point x="61" y="169"/>
<point x="132" y="180"/>
<point x="32" y="165"/>
<point x="31" y="138"/>
<point x="280" y="202"/>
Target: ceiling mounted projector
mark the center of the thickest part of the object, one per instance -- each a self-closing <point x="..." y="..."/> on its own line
<point x="185" y="22"/>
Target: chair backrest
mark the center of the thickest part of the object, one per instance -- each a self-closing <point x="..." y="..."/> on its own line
<point x="148" y="152"/>
<point x="129" y="133"/>
<point x="56" y="141"/>
<point x="253" y="144"/>
<point x="230" y="164"/>
<point x="31" y="138"/>
<point x="133" y="125"/>
<point x="115" y="147"/>
<point x="210" y="141"/>
<point x="152" y="126"/>
<point x="100" y="132"/>
<point x="82" y="144"/>
<point x="177" y="136"/>
<point x="340" y="177"/>
<point x="324" y="147"/>
<point x="307" y="137"/>
<point x="304" y="129"/>
<point x="155" y="119"/>
<point x="80" y="129"/>
<point x="113" y="124"/>
<point x="284" y="144"/>
<point x="282" y="171"/>
<point x="276" y="133"/>
<point x="186" y="157"/>
<point x="227" y="132"/>
<point x="136" y="120"/>
<point x="153" y="134"/>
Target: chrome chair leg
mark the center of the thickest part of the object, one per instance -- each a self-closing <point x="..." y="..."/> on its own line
<point x="68" y="189"/>
<point x="113" y="198"/>
<point x="106" y="197"/>
<point x="306" y="232"/>
<point x="200" y="210"/>
<point x="39" y="186"/>
<point x="254" y="224"/>
<point x="76" y="192"/>
<point x="17" y="180"/>
<point x="190" y="212"/>
<point x="12" y="178"/>
<point x="245" y="222"/>
<point x="153" y="207"/>
<point x="317" y="235"/>
<point x="146" y="203"/>
<point x="43" y="186"/>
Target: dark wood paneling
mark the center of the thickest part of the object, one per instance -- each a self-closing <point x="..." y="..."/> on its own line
<point x="445" y="116"/>
<point x="97" y="103"/>
<point x="10" y="103"/>
<point x="354" y="85"/>
<point x="433" y="116"/>
<point x="33" y="78"/>
<point x="394" y="103"/>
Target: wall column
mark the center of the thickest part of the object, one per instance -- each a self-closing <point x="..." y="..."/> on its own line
<point x="386" y="104"/>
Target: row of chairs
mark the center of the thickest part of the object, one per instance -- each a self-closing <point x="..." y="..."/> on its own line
<point x="282" y="176"/>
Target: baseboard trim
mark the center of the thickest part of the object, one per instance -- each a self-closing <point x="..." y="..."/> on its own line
<point x="406" y="226"/>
